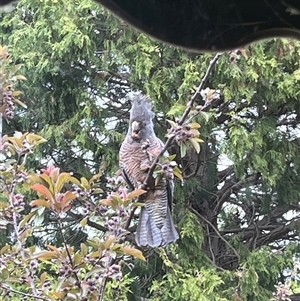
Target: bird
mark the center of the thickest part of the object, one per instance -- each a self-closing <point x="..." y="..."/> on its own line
<point x="139" y="148"/>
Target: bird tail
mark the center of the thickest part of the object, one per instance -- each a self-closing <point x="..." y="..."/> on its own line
<point x="148" y="234"/>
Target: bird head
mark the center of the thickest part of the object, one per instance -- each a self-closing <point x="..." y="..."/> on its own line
<point x="141" y="115"/>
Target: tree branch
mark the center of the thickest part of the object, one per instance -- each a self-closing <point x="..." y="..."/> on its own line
<point x="183" y="118"/>
<point x="277" y="233"/>
<point x="67" y="250"/>
<point x="232" y="185"/>
<point x="9" y="289"/>
<point x="89" y="222"/>
<point x="216" y="231"/>
<point x="18" y="232"/>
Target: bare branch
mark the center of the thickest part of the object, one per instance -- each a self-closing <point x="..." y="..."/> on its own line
<point x="129" y="219"/>
<point x="10" y="289"/>
<point x="18" y="233"/>
<point x="89" y="222"/>
<point x="67" y="249"/>
<point x="200" y="87"/>
<point x="216" y="231"/>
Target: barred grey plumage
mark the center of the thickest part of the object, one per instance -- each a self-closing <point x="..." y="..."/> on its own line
<point x="156" y="227"/>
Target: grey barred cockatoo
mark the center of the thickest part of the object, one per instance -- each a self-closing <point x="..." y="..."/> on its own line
<point x="156" y="227"/>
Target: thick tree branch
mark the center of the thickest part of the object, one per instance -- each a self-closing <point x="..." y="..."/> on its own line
<point x="225" y="172"/>
<point x="274" y="230"/>
<point x="248" y="229"/>
<point x="230" y="186"/>
<point x="277" y="233"/>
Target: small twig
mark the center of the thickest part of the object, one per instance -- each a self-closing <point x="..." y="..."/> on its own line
<point x="18" y="234"/>
<point x="9" y="289"/>
<point x="216" y="266"/>
<point x="200" y="87"/>
<point x="183" y="118"/>
<point x="67" y="250"/>
<point x="109" y="263"/>
<point x="130" y="218"/>
<point x="102" y="289"/>
<point x="1" y="123"/>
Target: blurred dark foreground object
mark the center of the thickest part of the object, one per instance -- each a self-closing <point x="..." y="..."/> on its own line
<point x="210" y="25"/>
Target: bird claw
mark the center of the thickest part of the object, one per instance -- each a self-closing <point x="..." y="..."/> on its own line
<point x="145" y="145"/>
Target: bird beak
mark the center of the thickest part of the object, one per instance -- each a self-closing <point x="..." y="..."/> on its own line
<point x="135" y="128"/>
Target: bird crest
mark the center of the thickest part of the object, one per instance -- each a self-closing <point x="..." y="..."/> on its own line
<point x="141" y="107"/>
